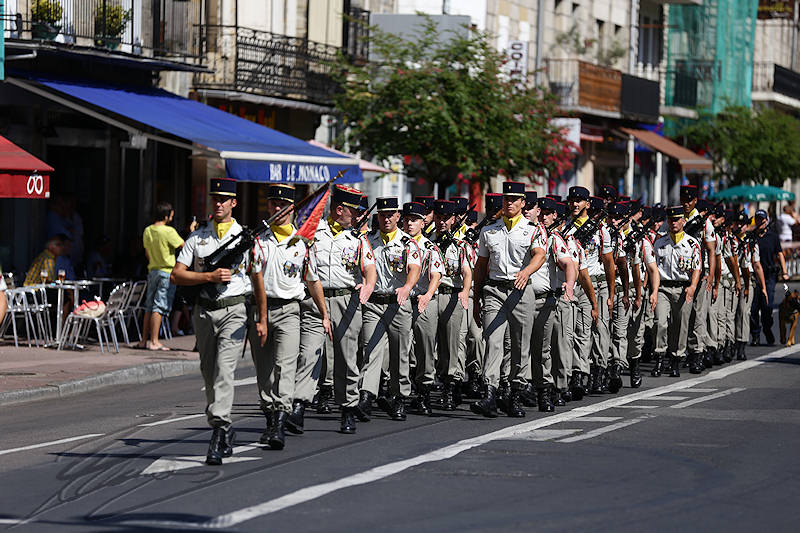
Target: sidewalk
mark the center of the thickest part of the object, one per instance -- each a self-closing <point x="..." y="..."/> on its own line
<point x="28" y="374"/>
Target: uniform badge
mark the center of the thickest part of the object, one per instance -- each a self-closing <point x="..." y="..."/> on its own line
<point x="291" y="269"/>
<point x="203" y="242"/>
<point x="415" y="255"/>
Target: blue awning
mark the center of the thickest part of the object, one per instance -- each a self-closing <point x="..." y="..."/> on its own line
<point x="252" y="152"/>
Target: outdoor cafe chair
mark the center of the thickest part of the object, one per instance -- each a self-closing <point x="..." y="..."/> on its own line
<point x="18" y="310"/>
<point x="131" y="309"/>
<point x="77" y="327"/>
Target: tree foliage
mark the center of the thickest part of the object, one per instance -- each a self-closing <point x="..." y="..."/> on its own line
<point x="750" y="146"/>
<point x="446" y="103"/>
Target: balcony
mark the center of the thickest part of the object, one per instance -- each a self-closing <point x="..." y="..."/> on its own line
<point x="777" y="84"/>
<point x="596" y="90"/>
<point x="157" y="28"/>
<point x="266" y="64"/>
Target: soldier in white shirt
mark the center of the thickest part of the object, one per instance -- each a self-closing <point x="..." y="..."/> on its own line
<point x="346" y="269"/>
<point x="288" y="270"/>
<point x="428" y="227"/>
<point x="424" y="306"/>
<point x="730" y="286"/>
<point x="679" y="267"/>
<point x="624" y="286"/>
<point x="220" y="316"/>
<point x="387" y="314"/>
<point x="751" y="271"/>
<point x="510" y="250"/>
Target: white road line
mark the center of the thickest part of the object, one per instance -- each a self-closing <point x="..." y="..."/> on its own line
<point x="600" y="431"/>
<point x="11" y="521"/>
<point x="639" y="406"/>
<point x="51" y="443"/>
<point x="598" y="418"/>
<point x="545" y="434"/>
<point x="669" y="398"/>
<point x="706" y="398"/>
<point x="170" y="420"/>
<point x="171" y="464"/>
<point x="700" y="390"/>
<point x="383" y="471"/>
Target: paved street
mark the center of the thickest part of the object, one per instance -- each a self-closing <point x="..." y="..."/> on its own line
<point x="709" y="452"/>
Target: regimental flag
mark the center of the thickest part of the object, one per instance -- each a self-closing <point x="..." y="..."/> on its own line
<point x="309" y="215"/>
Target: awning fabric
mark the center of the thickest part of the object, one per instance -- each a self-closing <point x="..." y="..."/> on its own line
<point x="689" y="161"/>
<point x="252" y="152"/>
<point x="21" y="174"/>
<point x="366" y="166"/>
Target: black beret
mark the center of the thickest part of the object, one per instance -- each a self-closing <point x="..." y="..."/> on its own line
<point x="513" y="188"/>
<point x="281" y="192"/>
<point x="578" y="192"/>
<point x="387" y="203"/>
<point x="223" y="187"/>
<point x="561" y="208"/>
<point x="607" y="191"/>
<point x="461" y="204"/>
<point x="547" y="204"/>
<point x="363" y="204"/>
<point x="346" y="196"/>
<point x="689" y="191"/>
<point x="444" y="207"/>
<point x="618" y="209"/>
<point x="472" y="217"/>
<point x="414" y="209"/>
<point x="675" y="211"/>
<point x="427" y="201"/>
<point x="494" y="202"/>
<point x="530" y="198"/>
<point x="596" y="203"/>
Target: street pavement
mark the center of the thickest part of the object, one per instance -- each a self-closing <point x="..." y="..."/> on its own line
<point x="709" y="452"/>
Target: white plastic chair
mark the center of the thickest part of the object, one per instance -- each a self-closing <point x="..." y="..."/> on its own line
<point x="77" y="327"/>
<point x="131" y="309"/>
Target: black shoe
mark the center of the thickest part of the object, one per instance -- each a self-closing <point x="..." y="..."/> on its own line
<point x="214" y="455"/>
<point x="348" y="420"/>
<point x="502" y="395"/>
<point x="513" y="406"/>
<point x="228" y="439"/>
<point x="555" y="397"/>
<point x="636" y="375"/>
<point x="421" y="404"/>
<point x="604" y="379"/>
<point x="543" y="400"/>
<point x="448" y="404"/>
<point x="614" y="378"/>
<point x="487" y="406"/>
<point x="770" y="338"/>
<point x="717" y="356"/>
<point x="658" y="366"/>
<point x="268" y="429"/>
<point x="708" y="358"/>
<point x="647" y="348"/>
<point x="527" y="396"/>
<point x="740" y="353"/>
<point x="277" y="437"/>
<point x="386" y="403"/>
<point x="472" y="388"/>
<point x="696" y="363"/>
<point x="398" y="412"/>
<point x="324" y="398"/>
<point x="596" y="380"/>
<point x="728" y="354"/>
<point x="566" y="395"/>
<point x="675" y="366"/>
<point x="363" y="410"/>
<point x="576" y="385"/>
<point x="295" y="420"/>
<point x="458" y="397"/>
<point x="755" y="342"/>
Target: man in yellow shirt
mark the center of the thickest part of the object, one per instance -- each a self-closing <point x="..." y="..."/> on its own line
<point x="160" y="242"/>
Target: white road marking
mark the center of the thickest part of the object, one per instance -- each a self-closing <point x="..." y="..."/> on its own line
<point x="639" y="406"/>
<point x="668" y="398"/>
<point x="11" y="521"/>
<point x="191" y="461"/>
<point x="598" y="418"/>
<point x="706" y="398"/>
<point x="383" y="471"/>
<point x="606" y="429"/>
<point x="239" y="382"/>
<point x="170" y="420"/>
<point x="51" y="443"/>
<point x="545" y="434"/>
<point x="700" y="390"/>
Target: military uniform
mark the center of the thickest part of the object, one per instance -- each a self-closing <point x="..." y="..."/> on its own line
<point x="677" y="261"/>
<point x="620" y="321"/>
<point x="636" y="328"/>
<point x="387" y="324"/>
<point x="698" y="328"/>
<point x="728" y="297"/>
<point x="749" y="256"/>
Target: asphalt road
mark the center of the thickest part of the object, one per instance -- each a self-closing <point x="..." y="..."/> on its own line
<point x="713" y="452"/>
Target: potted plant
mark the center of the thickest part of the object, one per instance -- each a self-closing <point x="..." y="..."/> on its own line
<point x="109" y="23"/>
<point x="46" y="18"/>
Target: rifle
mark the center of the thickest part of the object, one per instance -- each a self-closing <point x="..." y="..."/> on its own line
<point x="444" y="240"/>
<point x="472" y="234"/>
<point x="638" y="234"/>
<point x="355" y="230"/>
<point x="589" y="228"/>
<point x="230" y="252"/>
<point x="558" y="222"/>
<point x="695" y="226"/>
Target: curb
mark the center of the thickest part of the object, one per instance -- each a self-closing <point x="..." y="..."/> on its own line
<point x="146" y="373"/>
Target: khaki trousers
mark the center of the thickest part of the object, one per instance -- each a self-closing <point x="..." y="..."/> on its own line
<point x="672" y="321"/>
<point x="472" y="347"/>
<point x="451" y="323"/>
<point x="276" y="361"/>
<point x="619" y="327"/>
<point x="601" y="333"/>
<point x="312" y="349"/>
<point x="511" y="309"/>
<point x="742" y="318"/>
<point x="636" y="325"/>
<point x="220" y="341"/>
<point x="387" y="336"/>
<point x="563" y="339"/>
<point x="541" y="341"/>
<point x="582" y="332"/>
<point x="727" y="312"/>
<point x="698" y="320"/>
<point x="425" y="327"/>
<point x="346" y="322"/>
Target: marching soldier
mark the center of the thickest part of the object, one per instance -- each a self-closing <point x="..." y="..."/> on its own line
<point x="387" y="314"/>
<point x="509" y="251"/>
<point x="429" y="227"/>
<point x="750" y="263"/>
<point x="346" y="269"/>
<point x="731" y="285"/>
<point x="626" y="282"/>
<point x="425" y="312"/>
<point x="452" y="301"/>
<point x="679" y="267"/>
<point x="288" y="269"/>
<point x="220" y="316"/>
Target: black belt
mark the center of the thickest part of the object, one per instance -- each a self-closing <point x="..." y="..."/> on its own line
<point x="503" y="283"/>
<point x="556" y="293"/>
<point x="383" y="298"/>
<point x="278" y="302"/>
<point x="446" y="289"/>
<point x="330" y="293"/>
<point x="220" y="303"/>
<point x="671" y="283"/>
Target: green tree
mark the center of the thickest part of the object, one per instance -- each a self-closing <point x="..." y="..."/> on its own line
<point x="750" y="146"/>
<point x="446" y="103"/>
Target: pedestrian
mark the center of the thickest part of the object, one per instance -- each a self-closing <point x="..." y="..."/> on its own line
<point x="220" y="316"/>
<point x="160" y="241"/>
<point x="752" y="275"/>
<point x="679" y="267"/>
<point x="43" y="267"/>
<point x="510" y="250"/>
<point x="774" y="265"/>
<point x="787" y="221"/>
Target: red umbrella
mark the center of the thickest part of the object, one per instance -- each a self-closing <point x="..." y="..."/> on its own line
<point x="21" y="174"/>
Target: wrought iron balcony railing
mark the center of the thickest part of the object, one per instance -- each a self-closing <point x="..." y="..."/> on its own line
<point x="267" y="64"/>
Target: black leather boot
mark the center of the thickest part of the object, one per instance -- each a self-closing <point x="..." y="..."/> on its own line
<point x="576" y="387"/>
<point x="228" y="440"/>
<point x="614" y="377"/>
<point x="398" y="412"/>
<point x="527" y="396"/>
<point x="543" y="400"/>
<point x="421" y="404"/>
<point x="675" y="367"/>
<point x="472" y="388"/>
<point x="658" y="366"/>
<point x="740" y="354"/>
<point x="647" y="348"/>
<point x="448" y="404"/>
<point x="458" y="398"/>
<point x="267" y="429"/>
<point x="348" y="420"/>
<point x="513" y="405"/>
<point x="596" y="380"/>
<point x="636" y="375"/>
<point x="708" y="358"/>
<point x="502" y="395"/>
<point x="364" y="408"/>
<point x="604" y="381"/>
<point x="487" y="406"/>
<point x="295" y="420"/>
<point x="277" y="437"/>
<point x="555" y="397"/>
<point x="696" y="365"/>
<point x="214" y="455"/>
<point x="324" y="400"/>
<point x="566" y="395"/>
<point x="728" y="355"/>
<point x="718" y="359"/>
